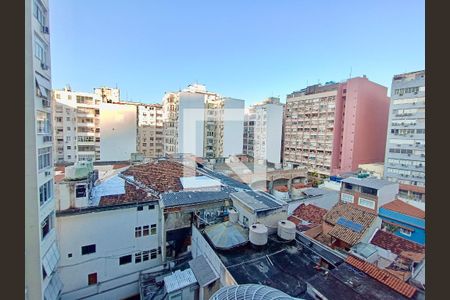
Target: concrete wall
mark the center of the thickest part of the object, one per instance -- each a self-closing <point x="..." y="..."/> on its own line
<point x="118" y="130"/>
<point x="113" y="233"/>
<point x="274" y="132"/>
<point x="191" y="123"/>
<point x="233" y="128"/>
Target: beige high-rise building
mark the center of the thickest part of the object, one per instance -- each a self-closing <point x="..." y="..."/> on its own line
<point x="41" y="250"/>
<point x="150" y="135"/>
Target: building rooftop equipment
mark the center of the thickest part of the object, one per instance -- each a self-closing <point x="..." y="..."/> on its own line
<point x="250" y="291"/>
<point x="203" y="271"/>
<point x="179" y="280"/>
<point x="257" y="200"/>
<point x="373" y="183"/>
<point x="189" y="198"/>
<point x="227" y="235"/>
<point x="199" y="182"/>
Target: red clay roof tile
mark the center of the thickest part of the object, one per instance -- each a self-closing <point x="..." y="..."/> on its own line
<point x="396" y="244"/>
<point x="405" y="208"/>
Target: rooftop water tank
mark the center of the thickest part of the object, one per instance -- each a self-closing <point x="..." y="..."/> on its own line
<point x="80" y="170"/>
<point x="258" y="234"/>
<point x="286" y="230"/>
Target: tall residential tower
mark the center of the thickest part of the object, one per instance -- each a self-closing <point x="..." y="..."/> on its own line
<point x="405" y="146"/>
<point x="41" y="250"/>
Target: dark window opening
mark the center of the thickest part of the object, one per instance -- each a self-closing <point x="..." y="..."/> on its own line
<point x="88" y="249"/>
<point x="92" y="278"/>
<point x="80" y="191"/>
<point x="125" y="259"/>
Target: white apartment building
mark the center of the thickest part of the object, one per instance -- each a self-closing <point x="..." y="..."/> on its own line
<point x="41" y="250"/>
<point x="206" y="124"/>
<point x="405" y="145"/>
<point x="263" y="130"/>
<point x="107" y="94"/>
<point x="107" y="233"/>
<point x="91" y="126"/>
<point x="150" y="131"/>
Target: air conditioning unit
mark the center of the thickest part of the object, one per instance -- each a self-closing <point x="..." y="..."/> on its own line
<point x="47" y="173"/>
<point x="44" y="66"/>
<point x="45" y="29"/>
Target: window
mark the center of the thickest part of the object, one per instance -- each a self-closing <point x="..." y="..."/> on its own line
<point x="145" y="255"/>
<point x="153" y="253"/>
<point x="40" y="50"/>
<point x="38" y="13"/>
<point x="366" y="203"/>
<point x="44" y="157"/>
<point x="145" y="230"/>
<point x="138" y="231"/>
<point x="47" y="225"/>
<point x="69" y="147"/>
<point x="137" y="257"/>
<point x="123" y="260"/>
<point x="45" y="191"/>
<point x="153" y="229"/>
<point x="43" y="122"/>
<point x="347" y="198"/>
<point x="92" y="278"/>
<point x="44" y="274"/>
<point x="139" y="208"/>
<point x="88" y="249"/>
<point x="80" y="191"/>
<point x="151" y="207"/>
<point x="405" y="231"/>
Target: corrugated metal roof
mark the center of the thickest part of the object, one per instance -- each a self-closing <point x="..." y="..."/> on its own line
<point x="373" y="183"/>
<point x="203" y="271"/>
<point x="188" y="198"/>
<point x="258" y="201"/>
<point x="198" y="182"/>
<point x="179" y="280"/>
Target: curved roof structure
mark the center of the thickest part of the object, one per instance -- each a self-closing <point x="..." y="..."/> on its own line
<point x="250" y="291"/>
<point x="226" y="235"/>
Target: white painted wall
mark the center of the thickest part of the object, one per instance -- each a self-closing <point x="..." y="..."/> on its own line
<point x="191" y="123"/>
<point x="233" y="128"/>
<point x="113" y="232"/>
<point x="273" y="132"/>
<point x="118" y="130"/>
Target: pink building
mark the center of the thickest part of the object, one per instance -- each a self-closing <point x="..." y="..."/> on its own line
<point x="333" y="128"/>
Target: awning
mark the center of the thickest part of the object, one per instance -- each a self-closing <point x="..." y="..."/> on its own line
<point x="50" y="259"/>
<point x="54" y="288"/>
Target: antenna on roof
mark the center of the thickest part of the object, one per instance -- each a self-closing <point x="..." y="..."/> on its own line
<point x="350" y="75"/>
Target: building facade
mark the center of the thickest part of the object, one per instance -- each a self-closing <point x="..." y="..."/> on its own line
<point x="150" y="134"/>
<point x="405" y="146"/>
<point x="202" y="123"/>
<point x="333" y="128"/>
<point x="41" y="250"/>
<point x="263" y="130"/>
<point x="107" y="94"/>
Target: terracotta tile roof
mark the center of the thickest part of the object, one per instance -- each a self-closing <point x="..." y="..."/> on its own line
<point x="351" y="213"/>
<point x="119" y="166"/>
<point x="301" y="185"/>
<point x="396" y="244"/>
<point x="310" y="213"/>
<point x="162" y="175"/>
<point x="282" y="188"/>
<point x="405" y="208"/>
<point x="412" y="188"/>
<point x="382" y="276"/>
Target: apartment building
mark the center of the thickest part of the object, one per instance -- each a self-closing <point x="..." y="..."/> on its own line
<point x="202" y="123"/>
<point x="107" y="94"/>
<point x="77" y="125"/>
<point x="41" y="250"/>
<point x="150" y="135"/>
<point x="405" y="146"/>
<point x="263" y="130"/>
<point x="332" y="128"/>
<point x="93" y="126"/>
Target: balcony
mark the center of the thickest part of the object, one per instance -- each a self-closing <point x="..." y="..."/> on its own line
<point x="47" y="138"/>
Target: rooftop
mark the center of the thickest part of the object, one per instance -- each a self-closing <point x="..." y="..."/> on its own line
<point x="226" y="235"/>
<point x="309" y="213"/>
<point x="257" y="201"/>
<point x="203" y="271"/>
<point x="382" y="276"/>
<point x="405" y="208"/>
<point x="198" y="182"/>
<point x="189" y="198"/>
<point x="396" y="244"/>
<point x="350" y="223"/>
<point x="373" y="183"/>
<point x="178" y="280"/>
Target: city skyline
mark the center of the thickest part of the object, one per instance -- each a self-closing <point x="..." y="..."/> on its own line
<point x="270" y="54"/>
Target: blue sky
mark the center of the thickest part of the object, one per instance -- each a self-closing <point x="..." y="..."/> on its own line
<point x="242" y="49"/>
